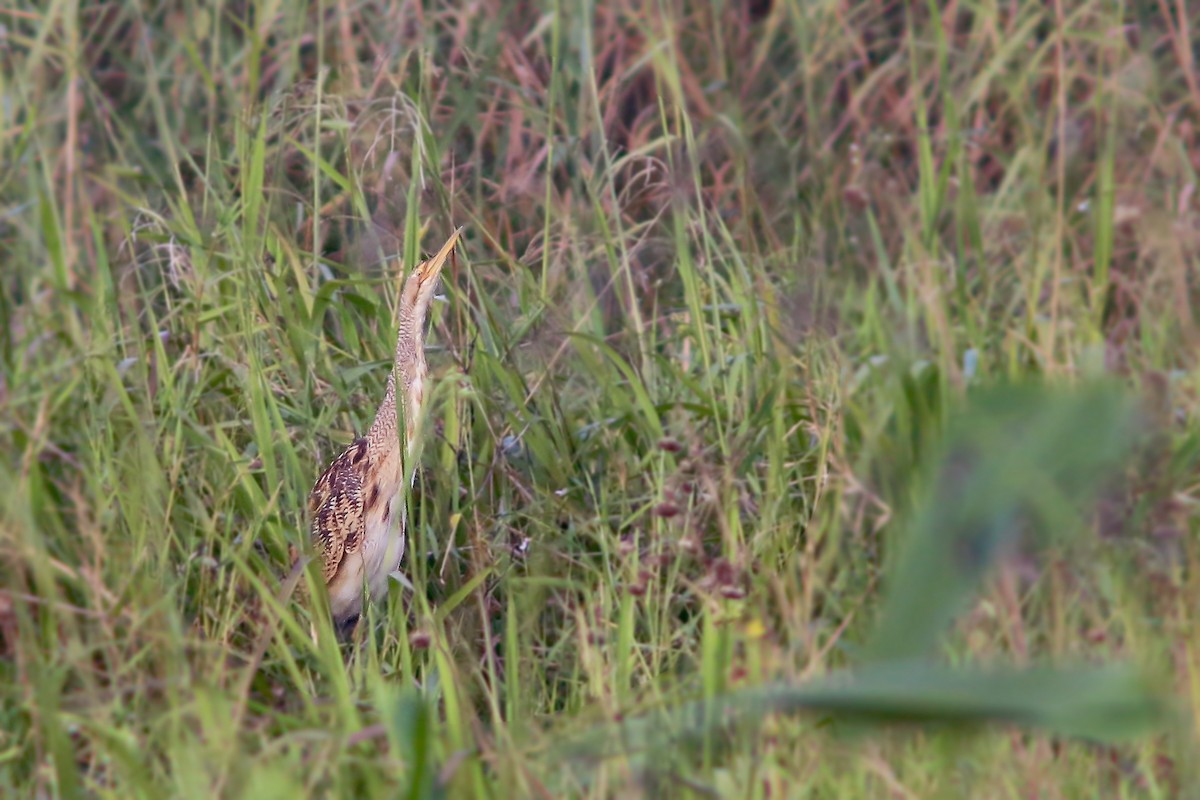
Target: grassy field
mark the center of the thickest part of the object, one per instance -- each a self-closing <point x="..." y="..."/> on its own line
<point x="809" y="371"/>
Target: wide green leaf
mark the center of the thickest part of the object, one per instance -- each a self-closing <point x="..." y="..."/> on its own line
<point x="1019" y="459"/>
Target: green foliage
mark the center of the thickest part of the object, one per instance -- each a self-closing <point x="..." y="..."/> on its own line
<point x="720" y="417"/>
<point x="1015" y="454"/>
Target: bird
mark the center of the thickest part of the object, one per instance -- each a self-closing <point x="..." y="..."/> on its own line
<point x="357" y="514"/>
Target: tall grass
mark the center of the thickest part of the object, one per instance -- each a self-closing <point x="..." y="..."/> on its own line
<point x="736" y="277"/>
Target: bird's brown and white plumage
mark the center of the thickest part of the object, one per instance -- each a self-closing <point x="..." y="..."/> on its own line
<point x="356" y="507"/>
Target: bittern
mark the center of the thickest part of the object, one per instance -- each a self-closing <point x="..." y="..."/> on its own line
<point x="358" y="514"/>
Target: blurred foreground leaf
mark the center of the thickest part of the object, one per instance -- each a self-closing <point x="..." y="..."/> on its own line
<point x="1023" y="458"/>
<point x="1102" y="704"/>
<point x="411" y="728"/>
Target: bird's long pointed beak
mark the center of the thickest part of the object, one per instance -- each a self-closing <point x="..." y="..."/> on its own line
<point x="420" y="287"/>
<point x="433" y="267"/>
<point x="423" y="281"/>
